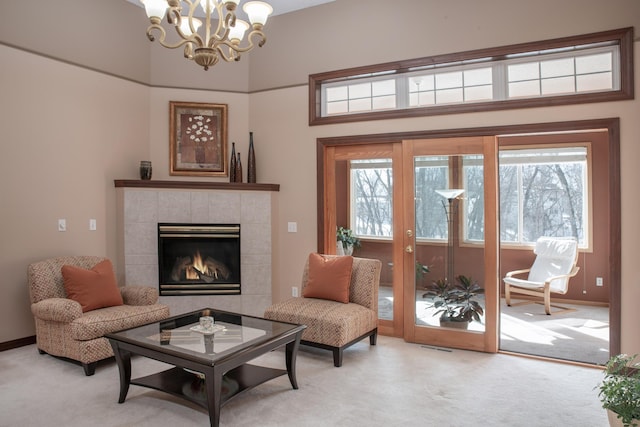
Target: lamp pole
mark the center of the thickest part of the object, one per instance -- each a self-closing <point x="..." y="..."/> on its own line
<point x="450" y="211"/>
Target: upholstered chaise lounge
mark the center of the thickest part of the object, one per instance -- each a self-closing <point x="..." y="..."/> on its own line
<point x="64" y="329"/>
<point x="331" y="324"/>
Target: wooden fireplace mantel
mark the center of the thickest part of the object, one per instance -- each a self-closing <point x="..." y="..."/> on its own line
<point x="195" y="185"/>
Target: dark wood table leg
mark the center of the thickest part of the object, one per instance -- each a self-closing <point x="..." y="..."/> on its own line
<point x="123" y="359"/>
<point x="290" y="354"/>
<point x="213" y="384"/>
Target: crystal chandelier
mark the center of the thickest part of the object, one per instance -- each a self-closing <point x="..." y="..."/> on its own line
<point x="220" y="15"/>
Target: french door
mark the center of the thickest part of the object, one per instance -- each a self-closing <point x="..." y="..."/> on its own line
<point x="418" y="242"/>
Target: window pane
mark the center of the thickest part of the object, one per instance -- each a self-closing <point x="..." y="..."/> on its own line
<point x="418" y="83"/>
<point x="473" y="197"/>
<point x="543" y="192"/>
<point x="558" y="85"/>
<point x="552" y="201"/>
<point x="431" y="174"/>
<point x="527" y="71"/>
<point x="601" y="81"/>
<point x="360" y="104"/>
<point x="372" y="197"/>
<point x="478" y="93"/>
<point x="481" y="76"/>
<point x="384" y="102"/>
<point x="386" y="87"/>
<point x="593" y="63"/>
<point x="336" y="94"/>
<point x="422" y="98"/>
<point x="531" y="88"/>
<point x="557" y="67"/>
<point x="362" y="90"/>
<point x="449" y="80"/>
<point x="509" y="204"/>
<point x="337" y="108"/>
<point x="449" y="96"/>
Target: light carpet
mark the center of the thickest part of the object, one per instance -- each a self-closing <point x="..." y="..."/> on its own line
<point x="391" y="384"/>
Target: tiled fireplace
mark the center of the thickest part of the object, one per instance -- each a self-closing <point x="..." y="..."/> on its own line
<point x="142" y="205"/>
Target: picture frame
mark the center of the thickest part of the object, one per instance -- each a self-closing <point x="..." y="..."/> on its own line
<point x="198" y="143"/>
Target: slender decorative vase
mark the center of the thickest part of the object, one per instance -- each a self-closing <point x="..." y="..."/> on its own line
<point x="339" y="248"/>
<point x="251" y="161"/>
<point x="145" y="169"/>
<point x="238" y="169"/>
<point x="232" y="163"/>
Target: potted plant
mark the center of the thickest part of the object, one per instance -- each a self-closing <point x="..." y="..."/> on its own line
<point x="421" y="271"/>
<point x="456" y="304"/>
<point x="347" y="241"/>
<point x="620" y="390"/>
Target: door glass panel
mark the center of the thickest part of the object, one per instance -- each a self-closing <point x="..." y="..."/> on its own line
<point x="365" y="205"/>
<point x="449" y="241"/>
<point x="372" y="217"/>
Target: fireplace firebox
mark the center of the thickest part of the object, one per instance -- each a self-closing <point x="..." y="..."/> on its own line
<point x="199" y="259"/>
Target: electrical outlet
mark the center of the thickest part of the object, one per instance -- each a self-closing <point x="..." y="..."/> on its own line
<point x="292" y="227"/>
<point x="93" y="226"/>
<point x="294" y="291"/>
<point x="599" y="281"/>
<point x="62" y="225"/>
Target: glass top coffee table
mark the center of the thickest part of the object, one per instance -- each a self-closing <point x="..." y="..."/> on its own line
<point x="209" y="368"/>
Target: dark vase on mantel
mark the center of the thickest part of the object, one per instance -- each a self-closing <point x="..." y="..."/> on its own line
<point x="232" y="163"/>
<point x="145" y="169"/>
<point x="238" y="169"/>
<point x="251" y="161"/>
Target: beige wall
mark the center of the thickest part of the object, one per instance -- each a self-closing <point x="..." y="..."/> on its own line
<point x="67" y="133"/>
<point x="82" y="129"/>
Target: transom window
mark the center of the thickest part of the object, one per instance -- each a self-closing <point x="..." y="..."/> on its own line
<point x="588" y="68"/>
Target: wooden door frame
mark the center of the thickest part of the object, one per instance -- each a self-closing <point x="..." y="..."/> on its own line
<point x="335" y="153"/>
<point x="611" y="125"/>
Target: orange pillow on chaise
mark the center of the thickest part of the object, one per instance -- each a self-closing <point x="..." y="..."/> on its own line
<point x="329" y="278"/>
<point x="95" y="288"/>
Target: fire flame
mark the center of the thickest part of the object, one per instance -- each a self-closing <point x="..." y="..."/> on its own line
<point x="197" y="264"/>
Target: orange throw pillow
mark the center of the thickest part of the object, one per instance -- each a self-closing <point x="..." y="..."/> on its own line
<point x="329" y="278"/>
<point x="95" y="288"/>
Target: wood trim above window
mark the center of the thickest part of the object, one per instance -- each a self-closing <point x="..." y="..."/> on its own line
<point x="621" y="37"/>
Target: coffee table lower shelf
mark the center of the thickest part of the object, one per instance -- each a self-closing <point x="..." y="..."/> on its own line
<point x="189" y="386"/>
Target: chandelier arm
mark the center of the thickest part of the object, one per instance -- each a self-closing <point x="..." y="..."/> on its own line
<point x="162" y="38"/>
<point x="232" y="55"/>
<point x="250" y="42"/>
<point x="194" y="37"/>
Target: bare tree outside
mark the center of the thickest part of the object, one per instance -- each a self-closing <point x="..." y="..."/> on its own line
<point x="542" y="193"/>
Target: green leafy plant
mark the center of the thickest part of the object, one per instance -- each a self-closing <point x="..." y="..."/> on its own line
<point x="346" y="236"/>
<point x="421" y="270"/>
<point x="620" y="388"/>
<point x="457" y="302"/>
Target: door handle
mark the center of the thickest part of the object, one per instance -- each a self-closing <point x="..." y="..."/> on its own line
<point x="408" y="249"/>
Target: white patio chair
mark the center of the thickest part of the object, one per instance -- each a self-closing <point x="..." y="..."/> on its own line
<point x="555" y="264"/>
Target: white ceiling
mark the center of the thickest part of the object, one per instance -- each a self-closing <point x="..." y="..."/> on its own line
<point x="279" y="6"/>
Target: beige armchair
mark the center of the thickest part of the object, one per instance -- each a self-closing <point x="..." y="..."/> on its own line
<point x="333" y="325"/>
<point x="63" y="329"/>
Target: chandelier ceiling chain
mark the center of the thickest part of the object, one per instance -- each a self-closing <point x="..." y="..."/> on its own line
<point x="223" y="43"/>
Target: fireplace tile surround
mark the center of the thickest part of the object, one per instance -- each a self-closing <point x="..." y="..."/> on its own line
<point x="141" y="206"/>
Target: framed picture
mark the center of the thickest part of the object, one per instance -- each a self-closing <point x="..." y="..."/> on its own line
<point x="197" y="139"/>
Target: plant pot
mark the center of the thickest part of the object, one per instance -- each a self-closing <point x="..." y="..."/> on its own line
<point x="614" y="421"/>
<point x="447" y="322"/>
<point x="342" y="250"/>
